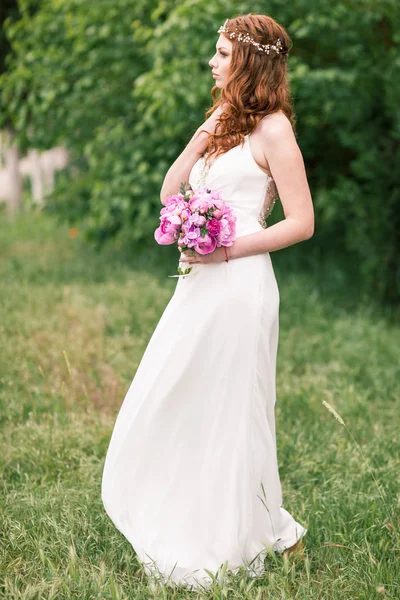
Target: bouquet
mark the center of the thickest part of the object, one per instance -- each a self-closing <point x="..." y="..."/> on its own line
<point x="196" y="219"/>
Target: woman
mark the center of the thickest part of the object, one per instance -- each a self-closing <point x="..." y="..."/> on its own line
<point x="191" y="475"/>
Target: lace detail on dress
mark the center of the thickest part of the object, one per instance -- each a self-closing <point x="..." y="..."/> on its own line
<point x="271" y="196"/>
<point x="203" y="170"/>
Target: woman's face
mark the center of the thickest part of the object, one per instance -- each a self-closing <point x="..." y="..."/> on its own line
<point x="220" y="62"/>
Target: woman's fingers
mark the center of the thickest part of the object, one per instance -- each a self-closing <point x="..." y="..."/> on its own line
<point x="191" y="258"/>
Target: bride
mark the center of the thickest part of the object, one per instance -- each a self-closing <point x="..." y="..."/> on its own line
<point x="191" y="474"/>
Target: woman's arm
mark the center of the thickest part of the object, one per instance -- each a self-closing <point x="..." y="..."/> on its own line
<point x="179" y="171"/>
<point x="285" y="161"/>
<point x="287" y="168"/>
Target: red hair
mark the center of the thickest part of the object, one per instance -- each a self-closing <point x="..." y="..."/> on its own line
<point x="257" y="84"/>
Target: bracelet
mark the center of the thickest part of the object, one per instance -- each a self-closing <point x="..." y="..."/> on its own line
<point x="226" y="254"/>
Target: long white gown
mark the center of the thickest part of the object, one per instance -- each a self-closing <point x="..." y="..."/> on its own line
<point x="191" y="475"/>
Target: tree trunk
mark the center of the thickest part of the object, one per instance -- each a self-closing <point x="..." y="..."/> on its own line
<point x="36" y="177"/>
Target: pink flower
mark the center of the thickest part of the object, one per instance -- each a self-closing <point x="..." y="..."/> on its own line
<point x="191" y="235"/>
<point x="214" y="227"/>
<point x="183" y="220"/>
<point x="199" y="203"/>
<point x="173" y="200"/>
<point x="219" y="203"/>
<point x="228" y="230"/>
<point x="221" y="208"/>
<point x="168" y="230"/>
<point x="180" y="207"/>
<point x="215" y="197"/>
<point x="197" y="219"/>
<point x="185" y="214"/>
<point x="205" y="245"/>
<point x="217" y="214"/>
<point x="174" y="205"/>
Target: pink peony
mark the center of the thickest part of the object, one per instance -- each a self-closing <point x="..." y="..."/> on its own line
<point x="221" y="208"/>
<point x="205" y="244"/>
<point x="168" y="230"/>
<point x="199" y="203"/>
<point x="228" y="231"/>
<point x="173" y="200"/>
<point x="217" y="214"/>
<point x="215" y="197"/>
<point x="180" y="207"/>
<point x="214" y="227"/>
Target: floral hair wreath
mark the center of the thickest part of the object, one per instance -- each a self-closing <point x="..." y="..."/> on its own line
<point x="247" y="39"/>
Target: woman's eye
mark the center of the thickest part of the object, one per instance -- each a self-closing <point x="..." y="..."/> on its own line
<point x="223" y="54"/>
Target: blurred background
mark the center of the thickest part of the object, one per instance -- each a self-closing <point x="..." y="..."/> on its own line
<point x="97" y="99"/>
<point x="120" y="88"/>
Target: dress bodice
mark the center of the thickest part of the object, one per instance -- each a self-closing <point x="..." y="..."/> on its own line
<point x="241" y="183"/>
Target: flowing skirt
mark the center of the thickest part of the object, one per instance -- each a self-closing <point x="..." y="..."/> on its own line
<point x="191" y="474"/>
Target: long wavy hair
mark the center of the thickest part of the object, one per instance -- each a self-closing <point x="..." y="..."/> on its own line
<point x="257" y="84"/>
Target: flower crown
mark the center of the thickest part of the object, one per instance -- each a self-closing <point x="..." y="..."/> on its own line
<point x="245" y="37"/>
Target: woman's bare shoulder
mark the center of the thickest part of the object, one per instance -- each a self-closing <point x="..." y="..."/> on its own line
<point x="276" y="126"/>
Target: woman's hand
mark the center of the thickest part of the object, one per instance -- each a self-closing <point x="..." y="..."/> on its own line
<point x="192" y="257"/>
<point x="179" y="171"/>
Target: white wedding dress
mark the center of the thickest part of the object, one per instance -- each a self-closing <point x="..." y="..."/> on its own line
<point x="191" y="475"/>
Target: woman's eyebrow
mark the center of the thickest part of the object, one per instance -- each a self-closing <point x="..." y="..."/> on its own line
<point x="221" y="48"/>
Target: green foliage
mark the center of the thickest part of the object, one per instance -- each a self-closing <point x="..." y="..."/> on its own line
<point x="124" y="86"/>
<point x="347" y="89"/>
<point x="8" y="8"/>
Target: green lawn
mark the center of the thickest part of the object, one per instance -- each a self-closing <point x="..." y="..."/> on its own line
<point x="74" y="325"/>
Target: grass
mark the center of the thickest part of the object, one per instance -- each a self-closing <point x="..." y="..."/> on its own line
<point x="74" y="325"/>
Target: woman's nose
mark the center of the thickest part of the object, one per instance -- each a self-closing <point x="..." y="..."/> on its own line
<point x="212" y="62"/>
